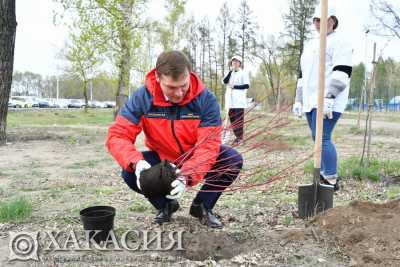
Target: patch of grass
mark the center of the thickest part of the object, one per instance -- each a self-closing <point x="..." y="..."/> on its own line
<point x="287" y="220"/>
<point x="297" y="140"/>
<point x="309" y="167"/>
<point x="376" y="168"/>
<point x="356" y="131"/>
<point x="350" y="168"/>
<point x="260" y="177"/>
<point x="83" y="164"/>
<point x="139" y="207"/>
<point x="391" y="167"/>
<point x="15" y="210"/>
<point x="104" y="190"/>
<point x="67" y="117"/>
<point x="393" y="192"/>
<point x="4" y="174"/>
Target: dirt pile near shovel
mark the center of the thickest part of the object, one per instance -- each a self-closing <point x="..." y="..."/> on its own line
<point x="369" y="233"/>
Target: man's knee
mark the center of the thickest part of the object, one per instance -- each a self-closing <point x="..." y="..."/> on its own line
<point x="234" y="157"/>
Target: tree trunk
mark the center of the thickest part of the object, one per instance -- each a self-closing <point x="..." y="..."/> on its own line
<point x="124" y="67"/>
<point x="8" y="25"/>
<point x="85" y="86"/>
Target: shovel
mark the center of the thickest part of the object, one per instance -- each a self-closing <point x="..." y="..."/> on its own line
<point x="316" y="197"/>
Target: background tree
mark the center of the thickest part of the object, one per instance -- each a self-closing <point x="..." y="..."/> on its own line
<point x="8" y="25"/>
<point x="297" y="30"/>
<point x="27" y="83"/>
<point x="247" y="30"/>
<point x="225" y="25"/>
<point x="266" y="51"/>
<point x="121" y="22"/>
<point x="387" y="17"/>
<point x="357" y="80"/>
<point x="173" y="29"/>
<point x="84" y="53"/>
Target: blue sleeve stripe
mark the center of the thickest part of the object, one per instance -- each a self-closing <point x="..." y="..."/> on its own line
<point x="210" y="113"/>
<point x="136" y="105"/>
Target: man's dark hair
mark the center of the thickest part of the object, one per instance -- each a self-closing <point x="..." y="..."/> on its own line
<point x="335" y="19"/>
<point x="172" y="63"/>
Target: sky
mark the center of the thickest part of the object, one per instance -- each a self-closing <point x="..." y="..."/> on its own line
<point x="39" y="41"/>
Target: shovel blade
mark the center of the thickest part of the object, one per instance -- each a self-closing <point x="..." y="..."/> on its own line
<point x="308" y="206"/>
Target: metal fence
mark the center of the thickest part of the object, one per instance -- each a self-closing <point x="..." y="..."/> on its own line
<point x="377" y="108"/>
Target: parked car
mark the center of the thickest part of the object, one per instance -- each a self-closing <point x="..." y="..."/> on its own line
<point x="44" y="103"/>
<point x="76" y="103"/>
<point x="110" y="104"/>
<point x="11" y="104"/>
<point x="61" y="103"/>
<point x="19" y="102"/>
<point x="97" y="104"/>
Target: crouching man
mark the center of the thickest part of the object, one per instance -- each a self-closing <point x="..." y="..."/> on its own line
<point x="181" y="122"/>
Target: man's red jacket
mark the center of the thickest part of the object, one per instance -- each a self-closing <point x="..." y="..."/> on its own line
<point x="192" y="127"/>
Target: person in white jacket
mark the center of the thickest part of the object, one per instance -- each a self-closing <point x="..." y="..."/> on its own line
<point x="237" y="82"/>
<point x="337" y="80"/>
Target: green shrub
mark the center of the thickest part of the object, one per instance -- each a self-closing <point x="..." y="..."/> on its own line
<point x="351" y="168"/>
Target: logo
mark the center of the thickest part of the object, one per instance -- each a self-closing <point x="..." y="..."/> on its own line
<point x="23" y="246"/>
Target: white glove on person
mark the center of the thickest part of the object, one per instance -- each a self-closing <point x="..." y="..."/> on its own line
<point x="328" y="107"/>
<point x="298" y="109"/>
<point x="179" y="186"/>
<point x="141" y="165"/>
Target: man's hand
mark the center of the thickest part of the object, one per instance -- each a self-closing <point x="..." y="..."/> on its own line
<point x="178" y="185"/>
<point x="298" y="109"/>
<point x="328" y="107"/>
<point x="141" y="165"/>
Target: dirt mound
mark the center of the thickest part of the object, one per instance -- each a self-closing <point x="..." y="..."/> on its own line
<point x="214" y="245"/>
<point x="369" y="233"/>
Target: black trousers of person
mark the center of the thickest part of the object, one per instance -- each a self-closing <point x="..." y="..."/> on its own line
<point x="236" y="117"/>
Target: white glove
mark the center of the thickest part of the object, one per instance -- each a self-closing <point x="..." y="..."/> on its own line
<point x="298" y="109"/>
<point x="179" y="187"/>
<point x="141" y="165"/>
<point x="328" y="107"/>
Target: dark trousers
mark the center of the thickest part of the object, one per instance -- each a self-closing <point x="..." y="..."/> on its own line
<point x="217" y="179"/>
<point x="236" y="117"/>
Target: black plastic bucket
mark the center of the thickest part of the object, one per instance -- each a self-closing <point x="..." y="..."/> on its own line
<point x="98" y="218"/>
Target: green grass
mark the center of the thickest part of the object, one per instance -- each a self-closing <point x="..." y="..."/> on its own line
<point x="309" y="167"/>
<point x="350" y="168"/>
<point x="15" y="210"/>
<point x="393" y="192"/>
<point x="67" y="117"/>
<point x="355" y="130"/>
<point x="104" y="191"/>
<point x="298" y="140"/>
<point x="84" y="164"/>
<point x="287" y="220"/>
<point x="139" y="207"/>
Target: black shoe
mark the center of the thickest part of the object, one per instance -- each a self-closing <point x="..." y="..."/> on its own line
<point x="205" y="216"/>
<point x="336" y="186"/>
<point x="237" y="142"/>
<point x="164" y="215"/>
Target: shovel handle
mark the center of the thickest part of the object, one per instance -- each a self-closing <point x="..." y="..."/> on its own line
<point x="321" y="84"/>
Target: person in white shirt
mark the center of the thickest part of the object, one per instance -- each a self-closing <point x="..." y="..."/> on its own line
<point x="237" y="82"/>
<point x="337" y="81"/>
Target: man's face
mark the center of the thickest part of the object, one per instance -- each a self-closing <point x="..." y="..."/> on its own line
<point x="330" y="24"/>
<point x="175" y="90"/>
<point x="236" y="64"/>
